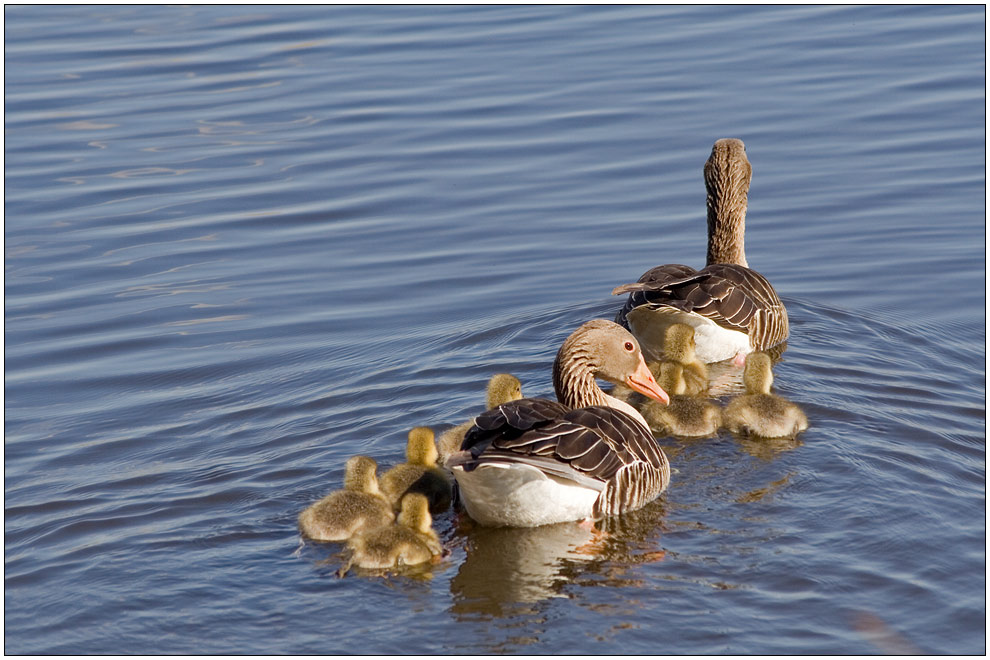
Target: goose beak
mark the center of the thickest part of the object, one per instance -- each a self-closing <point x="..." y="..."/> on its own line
<point x="643" y="382"/>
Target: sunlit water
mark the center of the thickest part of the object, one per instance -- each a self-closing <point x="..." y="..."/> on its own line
<point x="244" y="244"/>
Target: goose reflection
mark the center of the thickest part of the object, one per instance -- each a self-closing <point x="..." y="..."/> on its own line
<point x="506" y="568"/>
<point x="507" y="565"/>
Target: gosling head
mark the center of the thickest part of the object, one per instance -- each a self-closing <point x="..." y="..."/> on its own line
<point x="415" y="513"/>
<point x="758" y="374"/>
<point x="503" y="388"/>
<point x="360" y="474"/>
<point x="420" y="448"/>
<point x="678" y="343"/>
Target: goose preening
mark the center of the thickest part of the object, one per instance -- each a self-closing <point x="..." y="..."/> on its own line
<point x="502" y="388"/>
<point x="534" y="462"/>
<point x="734" y="310"/>
<point x="419" y="474"/>
<point x="407" y="542"/>
<point x="758" y="412"/>
<point x="342" y="513"/>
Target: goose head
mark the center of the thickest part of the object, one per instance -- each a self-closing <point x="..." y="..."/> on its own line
<point x="415" y="513"/>
<point x="727" y="177"/>
<point x="503" y="388"/>
<point x="606" y="350"/>
<point x="360" y="475"/>
<point x="420" y="448"/>
<point x="758" y="374"/>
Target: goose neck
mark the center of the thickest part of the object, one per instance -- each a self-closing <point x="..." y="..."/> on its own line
<point x="575" y="385"/>
<point x="727" y="178"/>
<point x="726" y="231"/>
<point x="574" y="381"/>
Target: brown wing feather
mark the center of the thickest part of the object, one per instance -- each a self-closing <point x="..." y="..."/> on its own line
<point x="732" y="296"/>
<point x="594" y="445"/>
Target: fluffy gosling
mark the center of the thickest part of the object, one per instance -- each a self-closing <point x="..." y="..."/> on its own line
<point x="361" y="505"/>
<point x="408" y="542"/>
<point x="681" y="368"/>
<point x="759" y="413"/>
<point x="419" y="474"/>
<point x="502" y="388"/>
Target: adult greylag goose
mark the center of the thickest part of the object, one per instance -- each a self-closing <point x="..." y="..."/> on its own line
<point x="408" y="542"/>
<point x="733" y="309"/>
<point x="419" y="474"/>
<point x="534" y="462"/>
<point x="342" y="513"/>
<point x="502" y="388"/>
<point x="758" y="412"/>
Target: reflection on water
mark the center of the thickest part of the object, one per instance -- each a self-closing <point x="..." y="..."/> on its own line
<point x="504" y="566"/>
<point x="882" y="636"/>
<point x="760" y="493"/>
<point x="768" y="448"/>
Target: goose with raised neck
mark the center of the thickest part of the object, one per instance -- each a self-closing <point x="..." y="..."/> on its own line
<point x="733" y="309"/>
<point x="587" y="455"/>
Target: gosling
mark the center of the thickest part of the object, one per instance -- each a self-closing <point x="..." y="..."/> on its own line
<point x="342" y="513"/>
<point x="419" y="474"/>
<point x="408" y="542"/>
<point x="759" y="413"/>
<point x="685" y="416"/>
<point x="683" y="372"/>
<point x="502" y="388"/>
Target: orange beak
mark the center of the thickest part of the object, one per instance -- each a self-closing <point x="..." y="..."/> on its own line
<point x="643" y="382"/>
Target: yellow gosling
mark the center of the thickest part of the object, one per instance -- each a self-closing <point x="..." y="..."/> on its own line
<point x="758" y="412"/>
<point x="502" y="388"/>
<point x="408" y="542"/>
<point x="685" y="416"/>
<point x="419" y="474"/>
<point x="685" y="373"/>
<point x="689" y="414"/>
<point x="342" y="513"/>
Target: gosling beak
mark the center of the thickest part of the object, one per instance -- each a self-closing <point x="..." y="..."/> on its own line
<point x="643" y="382"/>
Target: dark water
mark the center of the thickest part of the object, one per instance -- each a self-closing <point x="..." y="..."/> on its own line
<point x="244" y="244"/>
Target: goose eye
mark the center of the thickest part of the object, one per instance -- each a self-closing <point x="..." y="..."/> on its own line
<point x="629" y="346"/>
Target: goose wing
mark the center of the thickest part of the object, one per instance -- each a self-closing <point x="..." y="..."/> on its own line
<point x="598" y="447"/>
<point x="732" y="296"/>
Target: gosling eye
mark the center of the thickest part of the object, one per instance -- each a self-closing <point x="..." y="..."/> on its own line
<point x="629" y="346"/>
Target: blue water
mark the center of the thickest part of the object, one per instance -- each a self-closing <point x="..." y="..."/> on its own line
<point x="244" y="244"/>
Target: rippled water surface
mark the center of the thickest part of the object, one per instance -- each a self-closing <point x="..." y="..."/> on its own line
<point x="244" y="244"/>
